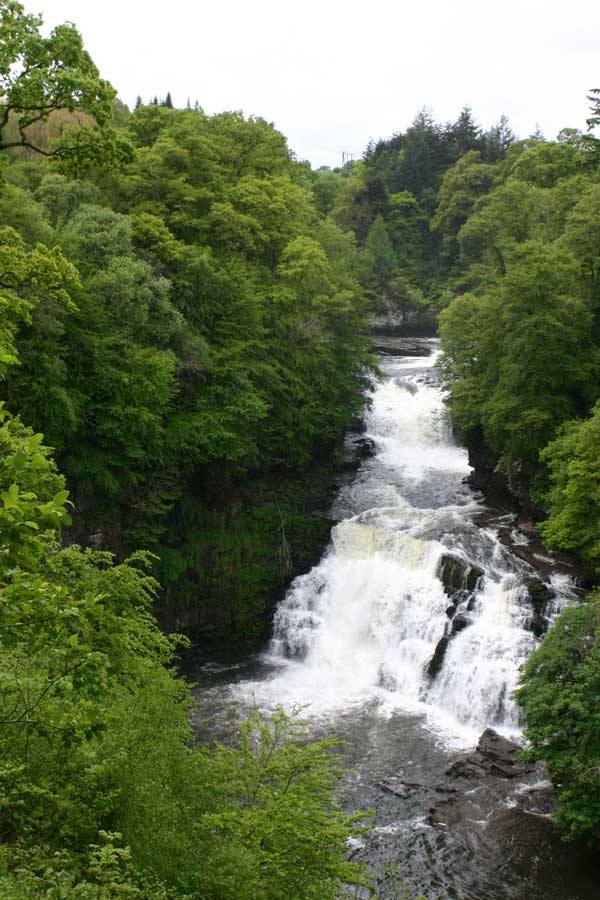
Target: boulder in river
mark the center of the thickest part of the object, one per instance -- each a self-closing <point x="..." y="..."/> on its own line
<point x="399" y="788"/>
<point x="457" y="574"/>
<point x="540" y="595"/>
<point x="498" y="749"/>
<point x="459" y="623"/>
<point x="495" y="755"/>
<point x="365" y="447"/>
<point x="437" y="660"/>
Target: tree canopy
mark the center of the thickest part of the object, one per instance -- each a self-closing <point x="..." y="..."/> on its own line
<point x="44" y="76"/>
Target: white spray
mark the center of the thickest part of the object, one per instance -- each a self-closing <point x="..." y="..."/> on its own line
<point x="364" y="624"/>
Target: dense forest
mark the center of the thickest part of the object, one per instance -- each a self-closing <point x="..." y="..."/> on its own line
<point x="184" y="317"/>
<point x="196" y="345"/>
<point x="184" y="326"/>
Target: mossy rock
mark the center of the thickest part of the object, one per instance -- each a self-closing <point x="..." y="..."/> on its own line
<point x="458" y="575"/>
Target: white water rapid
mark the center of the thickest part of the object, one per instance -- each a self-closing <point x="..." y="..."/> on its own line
<point x="363" y="626"/>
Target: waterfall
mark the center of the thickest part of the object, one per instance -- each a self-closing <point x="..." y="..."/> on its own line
<point x="376" y="620"/>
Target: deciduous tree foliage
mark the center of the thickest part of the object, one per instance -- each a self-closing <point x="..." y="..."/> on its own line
<point x="211" y="333"/>
<point x="573" y="497"/>
<point x="43" y="76"/>
<point x="520" y="357"/>
<point x="183" y="325"/>
<point x="559" y="694"/>
<point x="101" y="791"/>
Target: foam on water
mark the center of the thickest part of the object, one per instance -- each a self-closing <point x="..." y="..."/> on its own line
<point x="363" y="625"/>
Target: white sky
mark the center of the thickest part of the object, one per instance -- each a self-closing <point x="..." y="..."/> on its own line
<point x="332" y="74"/>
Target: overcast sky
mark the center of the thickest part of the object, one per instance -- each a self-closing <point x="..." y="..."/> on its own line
<point x="331" y="74"/>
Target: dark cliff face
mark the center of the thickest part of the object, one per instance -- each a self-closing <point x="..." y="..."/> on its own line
<point x="409" y="318"/>
<point x="230" y="548"/>
<point x="501" y="490"/>
<point x="484" y="477"/>
<point x="512" y="494"/>
<point x="237" y="549"/>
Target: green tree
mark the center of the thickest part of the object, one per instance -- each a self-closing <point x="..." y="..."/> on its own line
<point x="559" y="695"/>
<point x="573" y="496"/>
<point x="501" y="220"/>
<point x="465" y="134"/>
<point x="62" y="197"/>
<point x="326" y="186"/>
<point x="594" y="120"/>
<point x="28" y="278"/>
<point x="461" y="186"/>
<point x="496" y="141"/>
<point x="267" y="823"/>
<point x="546" y="162"/>
<point x="507" y="352"/>
<point x="40" y="76"/>
<point x="351" y="210"/>
<point x="582" y="237"/>
<point x="425" y="153"/>
<point x="214" y="331"/>
<point x="381" y="254"/>
<point x="407" y="226"/>
<point x="94" y="731"/>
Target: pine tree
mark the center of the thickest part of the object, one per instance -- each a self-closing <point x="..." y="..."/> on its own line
<point x="538" y="134"/>
<point x="497" y="140"/>
<point x="465" y="133"/>
<point x="594" y="119"/>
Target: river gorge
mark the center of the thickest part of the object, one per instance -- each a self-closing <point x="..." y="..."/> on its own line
<point x="405" y="641"/>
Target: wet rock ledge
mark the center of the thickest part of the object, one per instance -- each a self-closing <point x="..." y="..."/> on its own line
<point x="460" y="580"/>
<point x="477" y="784"/>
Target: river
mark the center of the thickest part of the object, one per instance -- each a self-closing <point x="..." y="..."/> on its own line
<point x="405" y="641"/>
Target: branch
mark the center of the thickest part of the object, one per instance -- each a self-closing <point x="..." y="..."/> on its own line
<point x="27" y="145"/>
<point x="45" y="111"/>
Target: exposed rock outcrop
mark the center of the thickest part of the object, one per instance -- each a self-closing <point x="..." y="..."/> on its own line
<point x="540" y="596"/>
<point x="460" y="580"/>
<point x="458" y="575"/>
<point x="401" y="789"/>
<point x="437" y="660"/>
<point x="495" y="755"/>
<point x="484" y="779"/>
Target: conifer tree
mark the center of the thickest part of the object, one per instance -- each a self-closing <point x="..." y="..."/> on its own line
<point x="537" y="134"/>
<point x="465" y="133"/>
<point x="594" y="119"/>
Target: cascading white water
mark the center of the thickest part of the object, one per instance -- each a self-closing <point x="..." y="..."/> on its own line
<point x="363" y="625"/>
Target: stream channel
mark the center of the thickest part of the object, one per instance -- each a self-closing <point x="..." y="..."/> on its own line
<point x="405" y="641"/>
